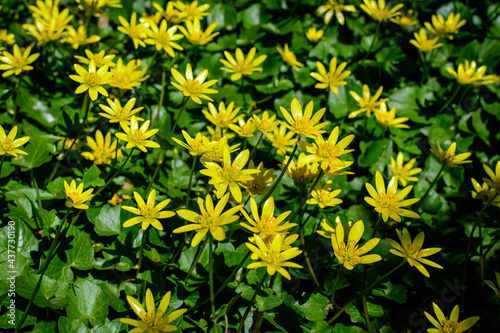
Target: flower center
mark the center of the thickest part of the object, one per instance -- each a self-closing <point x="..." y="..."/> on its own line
<point x="137" y="136"/>
<point x="414" y="251"/>
<point x="120" y="79"/>
<point x="208" y="219"/>
<point x="163" y="37"/>
<point x="148" y="211"/>
<point x="230" y="173"/>
<point x="193" y="86"/>
<point x="73" y="196"/>
<point x="327" y="150"/>
<point x="303" y="124"/>
<point x="135" y="31"/>
<point x="324" y="196"/>
<point x="348" y="254"/>
<point x="452" y="327"/>
<point x="388" y="201"/>
<point x="92" y="79"/>
<point x="18" y="62"/>
<point x="222" y="120"/>
<point x="7" y="144"/>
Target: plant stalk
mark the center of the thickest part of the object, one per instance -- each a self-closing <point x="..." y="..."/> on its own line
<point x="430" y="187"/>
<point x="247" y="310"/>
<point x="211" y="278"/>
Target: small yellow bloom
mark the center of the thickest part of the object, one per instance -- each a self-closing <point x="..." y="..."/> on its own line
<point x="6" y="39"/>
<point x="388" y="118"/>
<point x="274" y="257"/>
<point x="304" y="123"/>
<point x="92" y="80"/>
<point x="324" y="196"/>
<point x="162" y="38"/>
<point x="333" y="78"/>
<point x="194" y="88"/>
<point x="149" y="212"/>
<point x="100" y="59"/>
<point x="222" y="116"/>
<point x="151" y="320"/>
<point x="423" y="42"/>
<point x="289" y="57"/>
<point x="217" y="153"/>
<point x="388" y="203"/>
<point x="195" y="35"/>
<point x="17" y="62"/>
<point x="137" y="137"/>
<point x="494" y="180"/>
<point x="348" y="254"/>
<point x="300" y="172"/>
<point x="128" y="76"/>
<point x="211" y="219"/>
<point x="492" y="285"/>
<point x="78" y="37"/>
<point x="9" y="143"/>
<point x="337" y="169"/>
<point x="266" y="124"/>
<point x="241" y="65"/>
<point x="118" y="114"/>
<point x="314" y="35"/>
<point x="170" y="13"/>
<point x="191" y="11"/>
<point x="118" y="199"/>
<point x="197" y="146"/>
<point x="74" y="196"/>
<point x="367" y="103"/>
<point x="404" y="173"/>
<point x="135" y="31"/>
<point x="50" y="24"/>
<point x="103" y="151"/>
<point x="406" y="20"/>
<point x="334" y="7"/>
<point x="282" y="140"/>
<point x="448" y="157"/>
<point x="245" y="129"/>
<point x="413" y="252"/>
<point x="259" y="184"/>
<point x="468" y="74"/>
<point x="330" y="230"/>
<point x="445" y="28"/>
<point x="68" y="142"/>
<point x="444" y="325"/>
<point x="484" y="193"/>
<point x="378" y="11"/>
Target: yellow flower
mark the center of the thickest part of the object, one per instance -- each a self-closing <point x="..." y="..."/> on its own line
<point x="137" y="137"/>
<point x="300" y="172"/>
<point x="324" y="196"/>
<point x="468" y="74"/>
<point x="241" y="65"/>
<point x="388" y="118"/>
<point x="388" y="203"/>
<point x="423" y="43"/>
<point x="492" y="285"/>
<point x="289" y="57"/>
<point x="404" y="173"/>
<point x="314" y="35"/>
<point x="274" y="257"/>
<point x="334" y="7"/>
<point x="9" y="143"/>
<point x="494" y="180"/>
<point x="6" y="38"/>
<point x="244" y="129"/>
<point x="191" y="11"/>
<point x="266" y="225"/>
<point x="149" y="212"/>
<point x="49" y="22"/>
<point x="103" y="151"/>
<point x="333" y="78"/>
<point x="135" y="31"/>
<point x="328" y="152"/>
<point x="128" y="76"/>
<point x="413" y="252"/>
<point x="444" y="325"/>
<point x="151" y="320"/>
<point x="266" y="124"/>
<point x="378" y="11"/>
<point x="195" y="35"/>
<point x="259" y="184"/>
<point x="68" y="142"/>
<point x="162" y="38"/>
<point x="304" y="123"/>
<point x="442" y="28"/>
<point x="74" y="196"/>
<point x="169" y="13"/>
<point x="367" y="103"/>
<point x="17" y="62"/>
<point x="406" y="20"/>
<point x="330" y="230"/>
<point x="217" y="153"/>
<point x="336" y="170"/>
<point x="118" y="114"/>
<point x="91" y="80"/>
<point x="484" y="193"/>
<point x="100" y="59"/>
<point x="231" y="174"/>
<point x="197" y="146"/>
<point x="78" y="37"/>
<point x="448" y="157"/>
<point x="194" y="88"/>
<point x="211" y="219"/>
<point x="348" y="254"/>
<point x="282" y="140"/>
<point x="223" y="116"/>
<point x="118" y="199"/>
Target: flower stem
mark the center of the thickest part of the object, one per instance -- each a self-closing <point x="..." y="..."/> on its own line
<point x="425" y="69"/>
<point x="377" y="225"/>
<point x="184" y="102"/>
<point x="1" y="165"/>
<point x="365" y="291"/>
<point x="450" y="99"/>
<point x="190" y="180"/>
<point x="247" y="310"/>
<point x="304" y="200"/>
<point x="309" y="266"/>
<point x="430" y="187"/>
<point x="243" y="91"/>
<point x="16" y="99"/>
<point x="141" y="250"/>
<point x="335" y="283"/>
<point x="254" y="150"/>
<point x="211" y="278"/>
<point x="115" y="174"/>
<point x="43" y="269"/>
<point x="365" y="310"/>
<point x="162" y="96"/>
<point x="197" y="258"/>
<point x="155" y="174"/>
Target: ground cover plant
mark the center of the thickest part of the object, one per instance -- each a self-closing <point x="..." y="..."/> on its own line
<point x="249" y="166"/>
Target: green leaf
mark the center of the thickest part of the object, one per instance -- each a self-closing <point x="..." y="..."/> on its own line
<point x="313" y="308"/>
<point x="114" y="326"/>
<point x="51" y="294"/>
<point x="108" y="221"/>
<point x="80" y="254"/>
<point x="480" y="127"/>
<point x="394" y="292"/>
<point x="87" y="302"/>
<point x="267" y="302"/>
<point x="44" y="327"/>
<point x="376" y="154"/>
<point x="31" y="193"/>
<point x="91" y="177"/>
<point x="340" y="328"/>
<point x="39" y="150"/>
<point x="68" y="325"/>
<point x="232" y="256"/>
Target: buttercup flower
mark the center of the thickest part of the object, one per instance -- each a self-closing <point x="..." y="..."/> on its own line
<point x="210" y="219"/>
<point x="314" y="35"/>
<point x="304" y="123"/>
<point x="266" y="124"/>
<point x="484" y="193"/>
<point x="78" y="37"/>
<point x="423" y="42"/>
<point x="329" y="230"/>
<point x="324" y="196"/>
<point x="151" y="320"/>
<point x="17" y="62"/>
<point x="274" y="257"/>
<point x="217" y="153"/>
<point x="170" y="13"/>
<point x="445" y="28"/>
<point x="444" y="325"/>
<point x="494" y="180"/>
<point x="137" y="137"/>
<point x="162" y="38"/>
<point x="300" y="172"/>
<point x="406" y="20"/>
<point x="118" y="114"/>
<point x="348" y="253"/>
<point x="468" y="74"/>
<point x="378" y="11"/>
<point x="334" y="7"/>
<point x="149" y="212"/>
<point x="91" y="80"/>
<point x="191" y="11"/>
<point x="333" y="78"/>
<point x="259" y="184"/>
<point x="367" y="103"/>
<point x="448" y="157"/>
<point x="289" y="57"/>
<point x="413" y="252"/>
<point x="388" y="118"/>
<point x="222" y="116"/>
<point x="103" y="151"/>
<point x="245" y="129"/>
<point x="404" y="173"/>
<point x="135" y="31"/>
<point x="118" y="199"/>
<point x="128" y="76"/>
<point x="9" y="143"/>
<point x="195" y="35"/>
<point x="194" y="88"/>
<point x="100" y="59"/>
<point x="241" y="65"/>
<point x="198" y="145"/>
<point x="75" y="197"/>
<point x="6" y="39"/>
<point x="282" y="140"/>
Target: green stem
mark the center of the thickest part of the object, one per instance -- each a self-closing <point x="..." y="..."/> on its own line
<point x="162" y="96"/>
<point x="424" y="67"/>
<point x="254" y="150"/>
<point x="197" y="258"/>
<point x="43" y="269"/>
<point x="211" y="278"/>
<point x="247" y="310"/>
<point x="18" y="92"/>
<point x="184" y="102"/>
<point x="365" y="291"/>
<point x="304" y="200"/>
<point x="448" y="102"/>
<point x="1" y="164"/>
<point x="335" y="283"/>
<point x="430" y="187"/>
<point x="377" y="225"/>
<point x="365" y="310"/>
<point x="141" y="250"/>
<point x="243" y="91"/>
<point x="309" y="266"/>
<point x="115" y="174"/>
<point x="155" y="173"/>
<point x="188" y="194"/>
